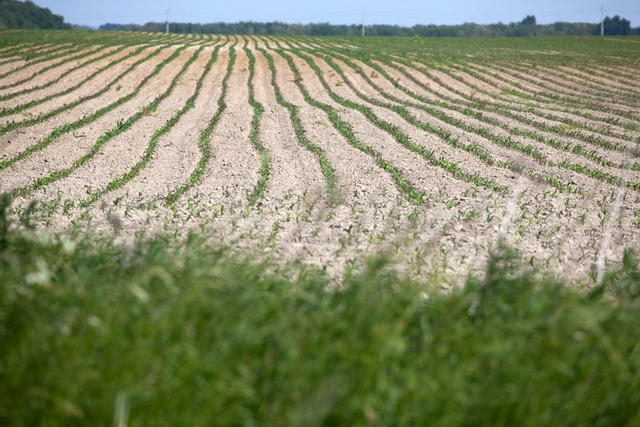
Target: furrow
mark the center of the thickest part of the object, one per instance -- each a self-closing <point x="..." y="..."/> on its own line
<point x="29" y="101"/>
<point x="34" y="58"/>
<point x="554" y="96"/>
<point x="605" y="120"/>
<point x="526" y="114"/>
<point x="36" y="168"/>
<point x="17" y="77"/>
<point x="602" y="76"/>
<point x="258" y="110"/>
<point x="400" y="132"/>
<point x="81" y="66"/>
<point x="349" y="124"/>
<point x="294" y="110"/>
<point x="170" y="106"/>
<point x="563" y="79"/>
<point x="204" y="143"/>
<point x="233" y="165"/>
<point x="17" y="143"/>
<point x="295" y="170"/>
<point x="493" y="134"/>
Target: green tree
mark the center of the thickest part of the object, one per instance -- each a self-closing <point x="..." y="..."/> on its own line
<point x="27" y="15"/>
<point x="529" y="20"/>
<point x="616" y="26"/>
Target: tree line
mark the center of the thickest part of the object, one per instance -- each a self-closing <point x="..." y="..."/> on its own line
<point x="18" y="15"/>
<point x="528" y="27"/>
<point x="15" y="14"/>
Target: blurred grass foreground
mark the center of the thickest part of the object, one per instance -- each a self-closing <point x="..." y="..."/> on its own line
<point x="181" y="334"/>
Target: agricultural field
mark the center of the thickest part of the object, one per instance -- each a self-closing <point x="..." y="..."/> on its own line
<point x="233" y="230"/>
<point x="329" y="150"/>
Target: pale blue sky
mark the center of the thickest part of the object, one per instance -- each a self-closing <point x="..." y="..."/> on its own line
<point x="400" y="12"/>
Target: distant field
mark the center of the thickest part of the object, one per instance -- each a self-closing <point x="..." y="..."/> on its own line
<point x="328" y="149"/>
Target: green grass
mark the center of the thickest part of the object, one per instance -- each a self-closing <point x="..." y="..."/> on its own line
<point x="169" y="332"/>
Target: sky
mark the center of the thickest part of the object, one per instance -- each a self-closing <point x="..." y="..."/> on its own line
<point x="394" y="12"/>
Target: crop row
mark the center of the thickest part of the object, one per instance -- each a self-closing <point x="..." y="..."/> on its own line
<point x="64" y="74"/>
<point x="327" y="169"/>
<point x="69" y="127"/>
<point x="452" y="168"/>
<point x="13" y="125"/>
<point x="122" y="126"/>
<point x="437" y="109"/>
<point x="119" y="182"/>
<point x="516" y="111"/>
<point x="37" y="101"/>
<point x="205" y="136"/>
<point x="254" y="136"/>
<point x="596" y="147"/>
<point x="66" y="55"/>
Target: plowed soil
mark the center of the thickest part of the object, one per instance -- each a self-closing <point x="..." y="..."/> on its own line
<point x="328" y="162"/>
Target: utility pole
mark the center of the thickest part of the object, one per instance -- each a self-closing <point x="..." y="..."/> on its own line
<point x="602" y="21"/>
<point x="167" y="21"/>
<point x="363" y="23"/>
